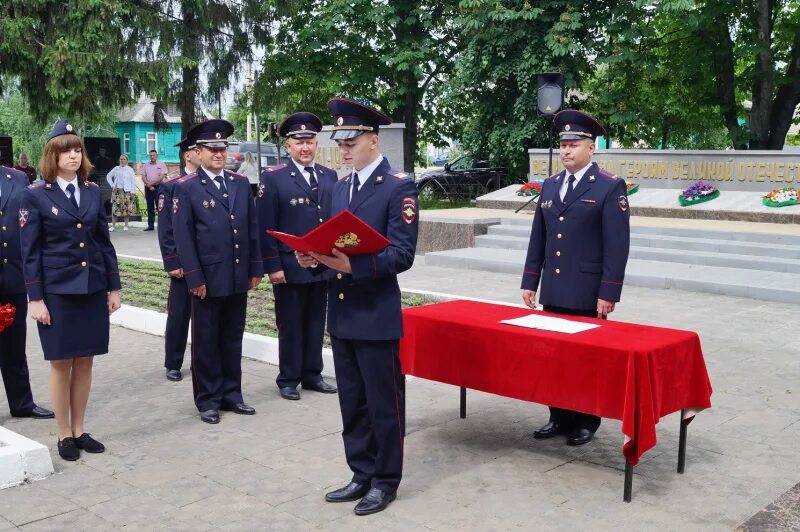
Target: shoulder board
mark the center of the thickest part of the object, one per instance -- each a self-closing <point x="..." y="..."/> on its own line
<point x="235" y="174"/>
<point x="396" y="173"/>
<point x="187" y="178"/>
<point x="554" y="176"/>
<point x="278" y="167"/>
<point x="88" y="184"/>
<point x="38" y="184"/>
<point x="606" y="173"/>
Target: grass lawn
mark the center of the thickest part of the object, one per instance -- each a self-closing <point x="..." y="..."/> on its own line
<point x="146" y="285"/>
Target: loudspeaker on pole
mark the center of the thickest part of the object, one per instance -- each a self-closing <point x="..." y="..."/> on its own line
<point x="550" y="93"/>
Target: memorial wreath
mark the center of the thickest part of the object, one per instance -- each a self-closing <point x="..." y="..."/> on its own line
<point x="699" y="192"/>
<point x="780" y="197"/>
<point x="534" y="188"/>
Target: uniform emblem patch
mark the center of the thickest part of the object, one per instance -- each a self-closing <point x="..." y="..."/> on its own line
<point x="409" y="210"/>
<point x="261" y="190"/>
<point x="205" y="204"/>
<point x="160" y="202"/>
<point x="23" y="217"/>
<point x="293" y="202"/>
<point x="547" y="204"/>
<point x="54" y="210"/>
<point x="622" y="202"/>
<point x="212" y="203"/>
<point x="174" y="205"/>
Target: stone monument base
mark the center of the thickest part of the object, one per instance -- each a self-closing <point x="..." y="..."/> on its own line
<point x="22" y="459"/>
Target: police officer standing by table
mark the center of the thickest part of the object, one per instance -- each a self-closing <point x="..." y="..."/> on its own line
<point x="290" y="199"/>
<point x="179" y="306"/>
<point x="578" y="247"/>
<point x="216" y="236"/>
<point x="13" y="362"/>
<point x="364" y="309"/>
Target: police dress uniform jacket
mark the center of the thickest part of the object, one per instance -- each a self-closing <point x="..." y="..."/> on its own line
<point x="216" y="236"/>
<point x="286" y="203"/>
<point x="66" y="250"/>
<point x="365" y="304"/>
<point x="12" y="184"/>
<point x="166" y="238"/>
<point x="578" y="250"/>
<point x="13" y="361"/>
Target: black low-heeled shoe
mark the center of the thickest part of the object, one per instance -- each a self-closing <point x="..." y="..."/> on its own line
<point x="89" y="444"/>
<point x="68" y="450"/>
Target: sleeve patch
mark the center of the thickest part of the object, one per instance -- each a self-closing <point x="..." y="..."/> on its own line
<point x="261" y="188"/>
<point x="409" y="208"/>
<point x="23" y="217"/>
<point x="175" y="205"/>
<point x="161" y="202"/>
<point x="622" y="202"/>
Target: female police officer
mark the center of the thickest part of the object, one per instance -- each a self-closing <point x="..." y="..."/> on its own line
<point x="71" y="275"/>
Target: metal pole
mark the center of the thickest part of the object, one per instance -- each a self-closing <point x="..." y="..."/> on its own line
<point x="463" y="412"/>
<point x="682" y="445"/>
<point x="626" y="491"/>
<point x="258" y="142"/>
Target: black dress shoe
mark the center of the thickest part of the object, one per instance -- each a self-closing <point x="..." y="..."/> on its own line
<point x="210" y="416"/>
<point x="548" y="431"/>
<point x="287" y="392"/>
<point x="149" y="229"/>
<point x="241" y="408"/>
<point x="174" y="375"/>
<point x="89" y="444"/>
<point x="320" y="386"/>
<point x="37" y="412"/>
<point x="68" y="450"/>
<point x="374" y="501"/>
<point x="351" y="492"/>
<point x="580" y="436"/>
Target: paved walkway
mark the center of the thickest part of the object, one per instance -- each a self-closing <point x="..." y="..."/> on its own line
<point x="164" y="469"/>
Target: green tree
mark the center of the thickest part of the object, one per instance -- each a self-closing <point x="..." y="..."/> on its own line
<point x="395" y="53"/>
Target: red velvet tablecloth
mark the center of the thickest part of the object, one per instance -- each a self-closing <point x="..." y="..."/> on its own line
<point x="634" y="373"/>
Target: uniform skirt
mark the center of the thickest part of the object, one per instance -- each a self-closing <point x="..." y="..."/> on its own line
<point x="78" y="325"/>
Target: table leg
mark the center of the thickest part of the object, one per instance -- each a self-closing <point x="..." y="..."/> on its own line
<point x="463" y="402"/>
<point x="626" y="491"/>
<point x="403" y="391"/>
<point x="682" y="445"/>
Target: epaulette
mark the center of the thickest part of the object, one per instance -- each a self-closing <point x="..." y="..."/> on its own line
<point x="278" y="167"/>
<point x="606" y="173"/>
<point x="396" y="173"/>
<point x="86" y="184"/>
<point x="187" y="178"/>
<point x="236" y="174"/>
<point x="554" y="176"/>
<point x="38" y="184"/>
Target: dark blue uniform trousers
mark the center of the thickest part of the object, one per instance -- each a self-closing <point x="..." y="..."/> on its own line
<point x="569" y="419"/>
<point x="300" y="316"/>
<point x="13" y="362"/>
<point x="217" y="330"/>
<point x="179" y="311"/>
<point x="373" y="413"/>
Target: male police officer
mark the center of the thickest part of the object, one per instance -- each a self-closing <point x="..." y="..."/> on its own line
<point x="290" y="199"/>
<point x="13" y="362"/>
<point x="216" y="236"/>
<point x="179" y="306"/>
<point x="578" y="247"/>
<point x="364" y="312"/>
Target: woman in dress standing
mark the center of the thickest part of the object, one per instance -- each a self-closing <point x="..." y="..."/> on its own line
<point x="122" y="181"/>
<point x="72" y="279"/>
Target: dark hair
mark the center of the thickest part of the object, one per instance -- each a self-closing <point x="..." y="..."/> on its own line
<point x="48" y="164"/>
<point x="152" y="151"/>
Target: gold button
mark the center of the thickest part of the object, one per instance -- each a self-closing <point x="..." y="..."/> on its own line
<point x="318" y="207"/>
<point x="338" y="275"/>
<point x="236" y="246"/>
<point x="560" y="218"/>
<point x="235" y="231"/>
<point x="320" y="220"/>
<point x="558" y="253"/>
<point x="237" y="261"/>
<point x="5" y="260"/>
<point x="1" y="213"/>
<point x="558" y="271"/>
<point x="559" y="235"/>
<point x="79" y="226"/>
<point x="4" y="228"/>
<point x="232" y="217"/>
<point x="341" y="296"/>
<point x="82" y="245"/>
<point x="5" y="244"/>
<point x="83" y="264"/>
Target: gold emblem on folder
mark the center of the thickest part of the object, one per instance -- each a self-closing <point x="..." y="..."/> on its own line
<point x="347" y="241"/>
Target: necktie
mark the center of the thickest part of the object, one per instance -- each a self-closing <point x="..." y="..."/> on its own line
<point x="71" y="190"/>
<point x="219" y="179"/>
<point x="312" y="180"/>
<point x="354" y="190"/>
<point x="570" y="189"/>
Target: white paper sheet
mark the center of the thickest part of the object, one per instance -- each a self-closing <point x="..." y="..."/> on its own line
<point x="547" y="323"/>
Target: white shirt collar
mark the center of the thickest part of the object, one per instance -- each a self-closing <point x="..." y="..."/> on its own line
<point x="62" y="183"/>
<point x="579" y="174"/>
<point x="367" y="171"/>
<point x="213" y="175"/>
<point x="303" y="172"/>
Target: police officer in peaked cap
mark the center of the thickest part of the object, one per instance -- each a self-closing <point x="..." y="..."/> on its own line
<point x="216" y="237"/>
<point x="364" y="311"/>
<point x="578" y="247"/>
<point x="290" y="199"/>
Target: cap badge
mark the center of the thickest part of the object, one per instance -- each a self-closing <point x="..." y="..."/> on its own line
<point x="566" y="128"/>
<point x="339" y="121"/>
<point x="302" y="126"/>
<point x="69" y="128"/>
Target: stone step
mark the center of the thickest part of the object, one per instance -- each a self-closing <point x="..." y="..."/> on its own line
<point x="739" y="282"/>
<point x="700" y="241"/>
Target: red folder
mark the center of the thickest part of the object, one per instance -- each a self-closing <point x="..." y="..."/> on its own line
<point x="345" y="232"/>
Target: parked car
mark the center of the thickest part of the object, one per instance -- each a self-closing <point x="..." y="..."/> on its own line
<point x="439" y="160"/>
<point x="242" y="158"/>
<point x="465" y="177"/>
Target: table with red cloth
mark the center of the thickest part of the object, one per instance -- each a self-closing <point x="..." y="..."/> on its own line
<point x="634" y="373"/>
